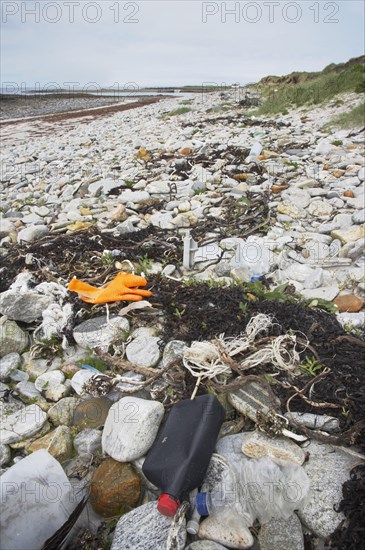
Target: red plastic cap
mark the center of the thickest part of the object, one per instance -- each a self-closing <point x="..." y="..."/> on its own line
<point x="167" y="505"/>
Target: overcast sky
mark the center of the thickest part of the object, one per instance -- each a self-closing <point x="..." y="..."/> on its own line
<point x="173" y="42"/>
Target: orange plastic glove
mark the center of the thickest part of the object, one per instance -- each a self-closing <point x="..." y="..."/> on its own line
<point x="122" y="287"/>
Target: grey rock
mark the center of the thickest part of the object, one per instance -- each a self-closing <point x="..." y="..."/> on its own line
<point x="12" y="338"/>
<point x="27" y="389"/>
<point x="173" y="350"/>
<point x="144" y="352"/>
<point x="361" y="174"/>
<point x="205" y="545"/>
<point x="133" y="196"/>
<point x="30" y="234"/>
<point x="354" y="320"/>
<point x="88" y="441"/>
<point x="22" y="424"/>
<point x="63" y="411"/>
<point x="49" y="379"/>
<point x="252" y="397"/>
<point x="298" y="197"/>
<point x="23" y="306"/>
<point x="359" y="216"/>
<point x="164" y="220"/>
<point x="5" y="454"/>
<point x="314" y="280"/>
<point x="282" y="534"/>
<point x="19" y="376"/>
<point x="145" y="529"/>
<point x="6" y="226"/>
<point x="131" y="428"/>
<point x="79" y="379"/>
<point x="323" y="293"/>
<point x="328" y="468"/>
<point x="8" y="364"/>
<point x="98" y="332"/>
<point x="125" y="227"/>
<point x="322" y="422"/>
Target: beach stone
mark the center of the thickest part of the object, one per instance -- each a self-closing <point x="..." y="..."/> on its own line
<point x="119" y="214"/>
<point x="144" y="352"/>
<point x="324" y="293"/>
<point x="58" y="443"/>
<point x="296" y="196"/>
<point x="348" y="302"/>
<point x="12" y="338"/>
<point x="328" y="468"/>
<point x="91" y="413"/>
<point x="321" y="422"/>
<point x="23" y="306"/>
<point x="355" y="320"/>
<point x="5" y="454"/>
<point x="6" y="227"/>
<point x="27" y="389"/>
<point x="227" y="529"/>
<point x="131" y="428"/>
<point x="49" y="379"/>
<point x="291" y="211"/>
<point x="8" y="364"/>
<point x="133" y="196"/>
<point x="205" y="545"/>
<point x="115" y="488"/>
<point x="164" y="220"/>
<point x="79" y="379"/>
<point x="35" y="367"/>
<point x="282" y="534"/>
<point x="359" y="216"/>
<point x="145" y="529"/>
<point x="258" y="445"/>
<point x="315" y="279"/>
<point x="173" y="350"/>
<point x="33" y="233"/>
<point x="349" y="235"/>
<point x="361" y="174"/>
<point x="22" y="424"/>
<point x="97" y="332"/>
<point x="320" y="208"/>
<point x="88" y="441"/>
<point x="62" y="412"/>
<point x="253" y="396"/>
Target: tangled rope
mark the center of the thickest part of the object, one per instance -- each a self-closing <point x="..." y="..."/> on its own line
<point x="211" y="360"/>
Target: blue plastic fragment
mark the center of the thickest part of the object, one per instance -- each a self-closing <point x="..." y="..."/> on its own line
<point x="89" y="367"/>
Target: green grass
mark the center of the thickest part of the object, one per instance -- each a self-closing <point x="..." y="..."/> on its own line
<point x="179" y="111"/>
<point x="313" y="89"/>
<point x="351" y="119"/>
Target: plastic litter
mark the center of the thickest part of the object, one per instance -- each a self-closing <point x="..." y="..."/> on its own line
<point x="178" y="460"/>
<point x="257" y="489"/>
<point x="190" y="249"/>
<point x="122" y="287"/>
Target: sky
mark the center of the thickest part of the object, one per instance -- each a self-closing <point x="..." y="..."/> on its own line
<point x="172" y="42"/>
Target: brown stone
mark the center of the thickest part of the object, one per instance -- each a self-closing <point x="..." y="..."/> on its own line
<point x="115" y="488"/>
<point x="58" y="443"/>
<point x="186" y="151"/>
<point x="70" y="369"/>
<point x="119" y="214"/>
<point x="278" y="188"/>
<point x="348" y="194"/>
<point x="91" y="413"/>
<point x="338" y="173"/>
<point x="326" y="166"/>
<point x="348" y="302"/>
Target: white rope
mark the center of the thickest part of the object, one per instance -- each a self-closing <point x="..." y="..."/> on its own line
<point x="257" y="325"/>
<point x="203" y="360"/>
